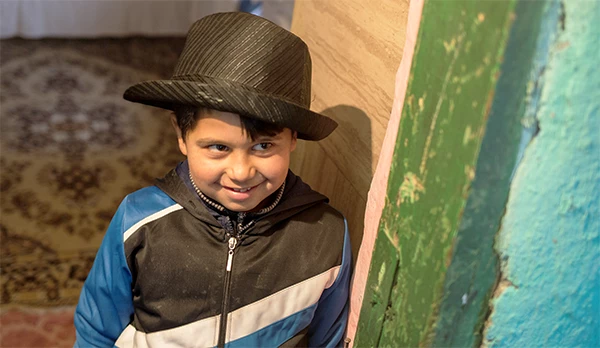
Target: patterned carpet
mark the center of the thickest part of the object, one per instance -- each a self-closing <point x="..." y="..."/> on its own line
<point x="70" y="149"/>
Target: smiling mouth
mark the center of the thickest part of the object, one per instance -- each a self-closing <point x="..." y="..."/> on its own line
<point x="240" y="190"/>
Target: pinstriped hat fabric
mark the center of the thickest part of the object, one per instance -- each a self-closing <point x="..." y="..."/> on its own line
<point x="241" y="63"/>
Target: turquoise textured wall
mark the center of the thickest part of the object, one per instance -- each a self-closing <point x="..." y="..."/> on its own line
<point x="549" y="242"/>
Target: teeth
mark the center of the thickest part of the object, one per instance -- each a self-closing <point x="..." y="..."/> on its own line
<point x="242" y="190"/>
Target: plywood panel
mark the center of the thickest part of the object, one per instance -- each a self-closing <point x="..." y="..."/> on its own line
<point x="356" y="48"/>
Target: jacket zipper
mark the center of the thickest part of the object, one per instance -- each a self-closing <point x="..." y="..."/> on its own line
<point x="232" y="243"/>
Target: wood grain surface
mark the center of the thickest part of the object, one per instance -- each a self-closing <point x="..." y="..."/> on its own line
<point x="356" y="47"/>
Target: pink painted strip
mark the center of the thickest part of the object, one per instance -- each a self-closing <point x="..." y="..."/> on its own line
<point x="377" y="192"/>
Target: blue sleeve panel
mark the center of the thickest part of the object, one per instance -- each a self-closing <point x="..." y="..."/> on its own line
<point x="105" y="305"/>
<point x="331" y="317"/>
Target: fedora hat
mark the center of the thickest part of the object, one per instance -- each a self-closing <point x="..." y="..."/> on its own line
<point x="241" y="63"/>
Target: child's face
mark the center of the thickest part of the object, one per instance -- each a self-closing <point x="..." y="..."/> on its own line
<point x="229" y="167"/>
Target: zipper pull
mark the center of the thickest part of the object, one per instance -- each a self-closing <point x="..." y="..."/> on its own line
<point x="232" y="244"/>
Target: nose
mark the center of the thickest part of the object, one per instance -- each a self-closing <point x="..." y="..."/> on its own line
<point x="241" y="169"/>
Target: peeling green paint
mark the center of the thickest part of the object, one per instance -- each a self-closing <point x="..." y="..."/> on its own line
<point x="410" y="189"/>
<point x="473" y="271"/>
<point x="416" y="239"/>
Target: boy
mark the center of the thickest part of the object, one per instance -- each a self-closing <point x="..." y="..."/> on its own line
<point x="230" y="248"/>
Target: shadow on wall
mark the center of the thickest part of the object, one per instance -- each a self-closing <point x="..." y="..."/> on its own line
<point x="347" y="171"/>
<point x="355" y="130"/>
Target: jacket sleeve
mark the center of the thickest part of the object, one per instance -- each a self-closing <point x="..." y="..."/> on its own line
<point x="331" y="316"/>
<point x="105" y="305"/>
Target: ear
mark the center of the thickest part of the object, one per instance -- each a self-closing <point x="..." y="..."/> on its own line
<point x="294" y="140"/>
<point x="180" y="140"/>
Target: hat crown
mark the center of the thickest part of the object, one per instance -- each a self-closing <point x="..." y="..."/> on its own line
<point x="240" y="63"/>
<point x="248" y="50"/>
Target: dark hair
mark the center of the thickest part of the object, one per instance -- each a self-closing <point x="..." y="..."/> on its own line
<point x="187" y="117"/>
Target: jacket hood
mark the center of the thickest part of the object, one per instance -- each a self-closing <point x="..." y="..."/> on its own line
<point x="297" y="197"/>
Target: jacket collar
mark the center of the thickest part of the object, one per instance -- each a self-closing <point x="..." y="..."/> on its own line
<point x="297" y="196"/>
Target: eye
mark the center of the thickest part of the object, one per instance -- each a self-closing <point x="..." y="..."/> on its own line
<point x="217" y="147"/>
<point x="262" y="146"/>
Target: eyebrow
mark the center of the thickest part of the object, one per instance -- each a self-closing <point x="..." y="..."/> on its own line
<point x="268" y="137"/>
<point x="209" y="141"/>
<point x="212" y="141"/>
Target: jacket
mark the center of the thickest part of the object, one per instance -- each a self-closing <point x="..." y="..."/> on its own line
<point x="168" y="274"/>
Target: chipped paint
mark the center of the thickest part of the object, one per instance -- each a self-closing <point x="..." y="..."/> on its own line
<point x="441" y="99"/>
<point x="410" y="188"/>
<point x="468" y="136"/>
<point x="381" y="274"/>
<point x="470" y="172"/>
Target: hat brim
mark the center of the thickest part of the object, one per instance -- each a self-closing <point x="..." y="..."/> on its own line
<point x="225" y="96"/>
